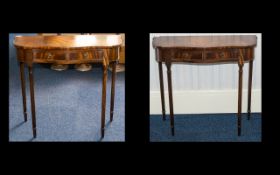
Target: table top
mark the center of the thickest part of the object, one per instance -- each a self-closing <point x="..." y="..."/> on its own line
<point x="228" y="41"/>
<point x="67" y="42"/>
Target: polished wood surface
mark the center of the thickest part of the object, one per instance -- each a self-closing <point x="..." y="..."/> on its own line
<point x="78" y="49"/>
<point x="67" y="49"/>
<point x="68" y="42"/>
<point x="204" y="50"/>
<point x="205" y="41"/>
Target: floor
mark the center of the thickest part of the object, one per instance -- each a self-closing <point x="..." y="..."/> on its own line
<point x="206" y="128"/>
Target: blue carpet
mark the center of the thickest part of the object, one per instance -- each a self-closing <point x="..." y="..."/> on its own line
<point x="206" y="128"/>
<point x="68" y="104"/>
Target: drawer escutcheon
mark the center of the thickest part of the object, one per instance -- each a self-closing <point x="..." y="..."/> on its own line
<point x="49" y="55"/>
<point x="86" y="55"/>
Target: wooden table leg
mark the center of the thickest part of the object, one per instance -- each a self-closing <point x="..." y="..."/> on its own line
<point x="23" y="90"/>
<point x="250" y="88"/>
<point x="30" y="69"/>
<point x="105" y="67"/>
<point x="168" y="65"/>
<point x="114" y="65"/>
<point x="161" y="89"/>
<point x="240" y="65"/>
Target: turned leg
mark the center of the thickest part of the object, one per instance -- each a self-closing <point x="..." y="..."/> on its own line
<point x="168" y="65"/>
<point x="103" y="100"/>
<point x="161" y="89"/>
<point x="240" y="65"/>
<point x="114" y="65"/>
<point x="250" y="88"/>
<point x="23" y="90"/>
<point x="30" y="69"/>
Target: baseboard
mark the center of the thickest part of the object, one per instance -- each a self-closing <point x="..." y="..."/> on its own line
<point x="205" y="101"/>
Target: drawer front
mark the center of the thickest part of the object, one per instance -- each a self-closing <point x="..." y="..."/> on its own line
<point x="66" y="56"/>
<point x="204" y="55"/>
<point x="228" y="54"/>
<point x="188" y="55"/>
<point x="182" y="55"/>
<point x="221" y="54"/>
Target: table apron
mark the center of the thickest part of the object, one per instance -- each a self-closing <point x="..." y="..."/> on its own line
<point x="181" y="55"/>
<point x="60" y="56"/>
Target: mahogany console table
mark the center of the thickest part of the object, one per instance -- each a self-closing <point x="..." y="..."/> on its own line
<point x="77" y="49"/>
<point x="203" y="50"/>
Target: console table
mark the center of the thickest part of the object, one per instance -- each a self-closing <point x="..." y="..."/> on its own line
<point x="77" y="49"/>
<point x="204" y="50"/>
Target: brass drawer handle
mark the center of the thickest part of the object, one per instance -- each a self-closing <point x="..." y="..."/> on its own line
<point x="49" y="55"/>
<point x="86" y="55"/>
<point x="222" y="54"/>
<point x="185" y="54"/>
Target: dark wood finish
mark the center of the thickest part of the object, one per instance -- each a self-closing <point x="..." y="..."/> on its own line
<point x="114" y="65"/>
<point x="203" y="50"/>
<point x="30" y="70"/>
<point x="197" y="55"/>
<point x="250" y="89"/>
<point x="71" y="57"/>
<point x="240" y="65"/>
<point x="169" y="80"/>
<point x="161" y="90"/>
<point x="105" y="70"/>
<point x="23" y="90"/>
<point x="161" y="85"/>
<point x="76" y="49"/>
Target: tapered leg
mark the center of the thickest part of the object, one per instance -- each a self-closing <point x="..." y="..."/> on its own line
<point x="240" y="64"/>
<point x="103" y="100"/>
<point x="168" y="65"/>
<point x="30" y="69"/>
<point x="250" y="88"/>
<point x="23" y="90"/>
<point x="161" y="89"/>
<point x="114" y="65"/>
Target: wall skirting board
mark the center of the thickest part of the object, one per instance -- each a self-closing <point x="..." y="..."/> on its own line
<point x="205" y="101"/>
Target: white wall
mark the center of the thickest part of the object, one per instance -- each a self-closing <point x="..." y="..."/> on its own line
<point x="205" y="88"/>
